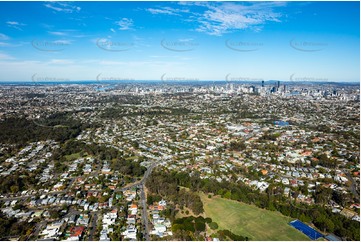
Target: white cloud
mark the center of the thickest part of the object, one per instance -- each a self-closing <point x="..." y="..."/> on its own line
<point x="12" y="22"/>
<point x="15" y="25"/>
<point x="218" y="18"/>
<point x="61" y="62"/>
<point x="81" y="36"/>
<point x="57" y="33"/>
<point x="63" y="7"/>
<point x="4" y="37"/>
<point x="108" y="62"/>
<point x="4" y="44"/>
<point x="125" y="24"/>
<point x="225" y="17"/>
<point x="62" y="42"/>
<point x="4" y="56"/>
<point x="167" y="11"/>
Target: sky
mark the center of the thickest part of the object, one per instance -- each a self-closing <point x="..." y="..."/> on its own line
<point x="287" y="41"/>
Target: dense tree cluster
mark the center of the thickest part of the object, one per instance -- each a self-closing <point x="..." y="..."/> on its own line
<point x="151" y="198"/>
<point x="118" y="112"/>
<point x="117" y="161"/>
<point x="17" y="181"/>
<point x="324" y="160"/>
<point x="193" y="228"/>
<point x="168" y="187"/>
<point x="190" y="223"/>
<point x="228" y="235"/>
<point x="270" y="136"/>
<point x="22" y="131"/>
<point x="11" y="227"/>
<point x="237" y="146"/>
<point x="123" y="99"/>
<point x="127" y="167"/>
<point x="5" y="225"/>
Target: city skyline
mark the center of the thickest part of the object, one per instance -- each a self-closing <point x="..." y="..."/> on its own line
<point x="287" y="41"/>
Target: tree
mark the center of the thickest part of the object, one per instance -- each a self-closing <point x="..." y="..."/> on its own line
<point x="324" y="223"/>
<point x="14" y="189"/>
<point x="103" y="199"/>
<point x="304" y="218"/>
<point x="213" y="225"/>
<point x="54" y="214"/>
<point x="92" y="199"/>
<point x="237" y="145"/>
<point x="227" y="195"/>
<point x="329" y="226"/>
<point x="322" y="195"/>
<point x="208" y="220"/>
<point x="200" y="226"/>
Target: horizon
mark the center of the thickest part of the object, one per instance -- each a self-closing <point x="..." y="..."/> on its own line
<point x="196" y="41"/>
<point x="267" y="82"/>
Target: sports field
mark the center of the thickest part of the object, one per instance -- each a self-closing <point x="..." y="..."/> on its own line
<point x="250" y="221"/>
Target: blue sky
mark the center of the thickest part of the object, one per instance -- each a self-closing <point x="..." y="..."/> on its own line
<point x="180" y="40"/>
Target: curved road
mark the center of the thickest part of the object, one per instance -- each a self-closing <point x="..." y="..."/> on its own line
<point x="143" y="201"/>
<point x="353" y="187"/>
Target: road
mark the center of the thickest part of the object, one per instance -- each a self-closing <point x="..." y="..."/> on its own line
<point x="94" y="225"/>
<point x="144" y="201"/>
<point x="144" y="214"/>
<point x="39" y="227"/>
<point x="353" y="187"/>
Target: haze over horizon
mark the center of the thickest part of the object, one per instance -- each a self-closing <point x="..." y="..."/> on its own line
<point x="287" y="41"/>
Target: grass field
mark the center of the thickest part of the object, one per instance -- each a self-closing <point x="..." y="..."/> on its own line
<point x="132" y="158"/>
<point x="250" y="221"/>
<point x="72" y="157"/>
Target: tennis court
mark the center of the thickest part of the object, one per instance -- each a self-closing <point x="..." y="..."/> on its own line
<point x="307" y="230"/>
